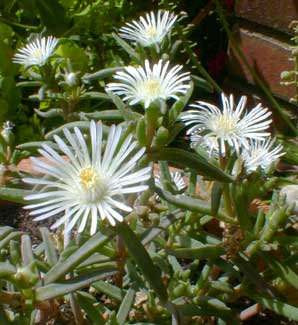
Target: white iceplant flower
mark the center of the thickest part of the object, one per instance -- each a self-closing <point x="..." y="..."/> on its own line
<point x="37" y="52"/>
<point x="261" y="154"/>
<point x="230" y="126"/>
<point x="149" y="30"/>
<point x="145" y="85"/>
<point x="86" y="183"/>
<point x="176" y="178"/>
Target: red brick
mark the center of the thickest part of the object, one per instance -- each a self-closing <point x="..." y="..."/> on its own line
<point x="269" y="57"/>
<point x="276" y="14"/>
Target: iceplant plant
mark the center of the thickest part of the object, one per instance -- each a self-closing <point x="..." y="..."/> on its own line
<point x="86" y="183"/>
<point x="37" y="52"/>
<point x="146" y="85"/>
<point x="149" y="30"/>
<point x="232" y="126"/>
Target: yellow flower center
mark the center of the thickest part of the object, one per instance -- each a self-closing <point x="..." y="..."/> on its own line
<point x="151" y="32"/>
<point x="37" y="54"/>
<point x="89" y="178"/>
<point x="224" y="124"/>
<point x="151" y="88"/>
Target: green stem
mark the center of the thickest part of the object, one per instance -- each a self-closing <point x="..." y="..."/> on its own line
<point x="18" y="24"/>
<point x="252" y="71"/>
<point x="226" y="189"/>
<point x="151" y="116"/>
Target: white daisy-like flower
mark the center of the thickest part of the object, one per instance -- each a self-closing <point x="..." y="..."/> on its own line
<point x="210" y="145"/>
<point x="87" y="183"/>
<point x="149" y="30"/>
<point x="261" y="154"/>
<point x="36" y="52"/>
<point x="176" y="178"/>
<point x="138" y="84"/>
<point x="231" y="126"/>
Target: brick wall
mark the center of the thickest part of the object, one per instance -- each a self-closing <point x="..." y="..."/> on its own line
<point x="263" y="33"/>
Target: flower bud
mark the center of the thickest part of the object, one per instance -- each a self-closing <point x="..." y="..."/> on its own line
<point x="7" y="133"/>
<point x="25" y="276"/>
<point x="291" y="195"/>
<point x="70" y="79"/>
<point x="286" y="75"/>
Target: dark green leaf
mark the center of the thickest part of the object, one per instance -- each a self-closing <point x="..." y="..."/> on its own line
<point x="203" y="252"/>
<point x="109" y="289"/>
<point x="13" y="194"/>
<point x="280" y="307"/>
<point x="192" y="204"/>
<point x="191" y="160"/>
<point x="62" y="267"/>
<point x="143" y="260"/>
<point x="125" y="306"/>
<point x="93" y="314"/>
<point x="54" y="290"/>
<point x="50" y="250"/>
<point x="101" y="74"/>
<point x="215" y="197"/>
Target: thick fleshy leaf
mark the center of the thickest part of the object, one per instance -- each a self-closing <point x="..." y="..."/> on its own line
<point x="82" y="125"/>
<point x="53" y="112"/>
<point x="50" y="250"/>
<point x="125" y="306"/>
<point x="13" y="235"/>
<point x="90" y="306"/>
<point x="95" y="95"/>
<point x="165" y="222"/>
<point x="13" y="194"/>
<point x="203" y="252"/>
<point x="254" y="277"/>
<point x="109" y="289"/>
<point x="143" y="260"/>
<point x="282" y="270"/>
<point x="54" y="290"/>
<point x="26" y="250"/>
<point x="62" y="267"/>
<point x="192" y="204"/>
<point x="215" y="197"/>
<point x="6" y="269"/>
<point x="5" y="231"/>
<point x="126" y="112"/>
<point x="110" y="115"/>
<point x="101" y="74"/>
<point x="279" y="307"/>
<point x="29" y="84"/>
<point x="188" y="159"/>
<point x="126" y="47"/>
<point x="179" y="105"/>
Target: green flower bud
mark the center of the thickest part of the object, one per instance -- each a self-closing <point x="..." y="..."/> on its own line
<point x="26" y="277"/>
<point x="7" y="133"/>
<point x="162" y="136"/>
<point x="286" y="75"/>
<point x="179" y="290"/>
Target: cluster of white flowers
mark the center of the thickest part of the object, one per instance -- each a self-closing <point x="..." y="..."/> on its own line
<point x="88" y="179"/>
<point x="233" y="128"/>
